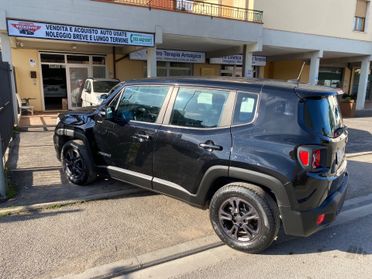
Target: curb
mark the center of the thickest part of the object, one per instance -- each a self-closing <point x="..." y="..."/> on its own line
<point x="357" y="154"/>
<point x="150" y="259"/>
<point x="38" y="206"/>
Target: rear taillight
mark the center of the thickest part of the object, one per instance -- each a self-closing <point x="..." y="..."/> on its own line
<point x="320" y="219"/>
<point x="309" y="157"/>
<point x="304" y="156"/>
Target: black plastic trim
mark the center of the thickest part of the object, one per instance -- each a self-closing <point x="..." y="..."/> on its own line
<point x="272" y="183"/>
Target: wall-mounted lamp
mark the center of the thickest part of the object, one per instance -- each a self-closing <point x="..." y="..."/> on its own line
<point x="19" y="44"/>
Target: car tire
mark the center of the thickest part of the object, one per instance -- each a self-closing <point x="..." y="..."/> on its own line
<point x="244" y="217"/>
<point x="77" y="163"/>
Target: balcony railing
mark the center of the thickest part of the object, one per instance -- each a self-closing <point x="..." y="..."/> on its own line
<point x="196" y="7"/>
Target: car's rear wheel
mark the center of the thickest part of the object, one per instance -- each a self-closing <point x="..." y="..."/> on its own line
<point x="77" y="163"/>
<point x="245" y="217"/>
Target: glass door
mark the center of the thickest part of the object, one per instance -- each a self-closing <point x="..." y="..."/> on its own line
<point x="76" y="76"/>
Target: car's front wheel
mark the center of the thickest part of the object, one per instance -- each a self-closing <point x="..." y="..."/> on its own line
<point x="77" y="163"/>
<point x="245" y="217"/>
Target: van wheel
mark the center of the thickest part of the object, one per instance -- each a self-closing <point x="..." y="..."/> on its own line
<point x="245" y="217"/>
<point x="77" y="163"/>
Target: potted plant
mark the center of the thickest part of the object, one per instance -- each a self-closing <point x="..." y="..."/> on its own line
<point x="347" y="105"/>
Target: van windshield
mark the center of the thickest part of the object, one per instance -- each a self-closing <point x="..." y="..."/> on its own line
<point x="104" y="86"/>
<point x="322" y="116"/>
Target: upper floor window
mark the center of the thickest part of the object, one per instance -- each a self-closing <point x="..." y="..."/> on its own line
<point x="360" y="15"/>
<point x="359" y="24"/>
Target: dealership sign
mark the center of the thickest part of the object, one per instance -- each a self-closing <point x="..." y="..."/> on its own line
<point x="64" y="32"/>
<point x="171" y="56"/>
<point x="238" y="60"/>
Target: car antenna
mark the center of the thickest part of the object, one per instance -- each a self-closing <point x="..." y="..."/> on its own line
<point x="301" y="71"/>
<point x="297" y="80"/>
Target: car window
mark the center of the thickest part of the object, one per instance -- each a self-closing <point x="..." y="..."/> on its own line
<point x="86" y="84"/>
<point x="141" y="103"/>
<point x="104" y="86"/>
<point x="198" y="107"/>
<point x="322" y="115"/>
<point x="245" y="108"/>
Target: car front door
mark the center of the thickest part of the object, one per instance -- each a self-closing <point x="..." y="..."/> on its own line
<point x="127" y="136"/>
<point x="195" y="136"/>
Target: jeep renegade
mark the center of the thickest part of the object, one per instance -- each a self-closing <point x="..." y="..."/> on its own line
<point x="259" y="154"/>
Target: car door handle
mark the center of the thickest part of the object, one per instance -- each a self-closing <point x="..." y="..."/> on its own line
<point x="141" y="137"/>
<point x="211" y="146"/>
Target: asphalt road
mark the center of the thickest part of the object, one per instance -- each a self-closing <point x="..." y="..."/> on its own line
<point x="343" y="251"/>
<point x="55" y="242"/>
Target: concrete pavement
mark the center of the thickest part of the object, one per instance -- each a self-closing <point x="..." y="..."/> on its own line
<point x="55" y="242"/>
<point x="37" y="174"/>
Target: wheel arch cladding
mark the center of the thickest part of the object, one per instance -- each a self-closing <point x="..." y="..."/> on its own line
<point x="266" y="182"/>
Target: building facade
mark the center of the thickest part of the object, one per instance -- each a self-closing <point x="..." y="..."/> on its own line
<point x="54" y="45"/>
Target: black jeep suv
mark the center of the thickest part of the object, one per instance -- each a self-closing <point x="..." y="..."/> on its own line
<point x="258" y="153"/>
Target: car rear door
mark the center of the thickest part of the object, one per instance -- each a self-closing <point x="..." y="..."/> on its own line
<point x="195" y="135"/>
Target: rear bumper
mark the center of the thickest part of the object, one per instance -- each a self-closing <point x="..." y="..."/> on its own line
<point x="303" y="223"/>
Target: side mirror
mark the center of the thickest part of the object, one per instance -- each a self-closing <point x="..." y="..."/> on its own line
<point x="103" y="97"/>
<point x="106" y="112"/>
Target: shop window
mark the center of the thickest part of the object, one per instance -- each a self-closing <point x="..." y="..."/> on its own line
<point x="99" y="71"/>
<point x="330" y="76"/>
<point x="52" y="58"/>
<point x="78" y="59"/>
<point x="172" y="69"/>
<point x="99" y="60"/>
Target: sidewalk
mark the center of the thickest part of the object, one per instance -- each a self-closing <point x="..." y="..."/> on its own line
<point x="37" y="174"/>
<point x="38" y="178"/>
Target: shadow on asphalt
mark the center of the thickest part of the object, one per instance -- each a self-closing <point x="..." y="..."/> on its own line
<point x="359" y="141"/>
<point x="35" y="214"/>
<point x="352" y="238"/>
<point x="360" y="174"/>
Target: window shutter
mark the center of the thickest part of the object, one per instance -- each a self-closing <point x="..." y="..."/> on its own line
<point x="361" y="8"/>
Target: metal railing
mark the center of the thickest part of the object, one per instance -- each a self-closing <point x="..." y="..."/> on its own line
<point x="196" y="7"/>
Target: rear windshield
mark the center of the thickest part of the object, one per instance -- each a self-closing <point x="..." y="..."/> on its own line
<point x="104" y="86"/>
<point x="322" y="115"/>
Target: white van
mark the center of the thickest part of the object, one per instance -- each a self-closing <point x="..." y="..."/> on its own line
<point x="95" y="89"/>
